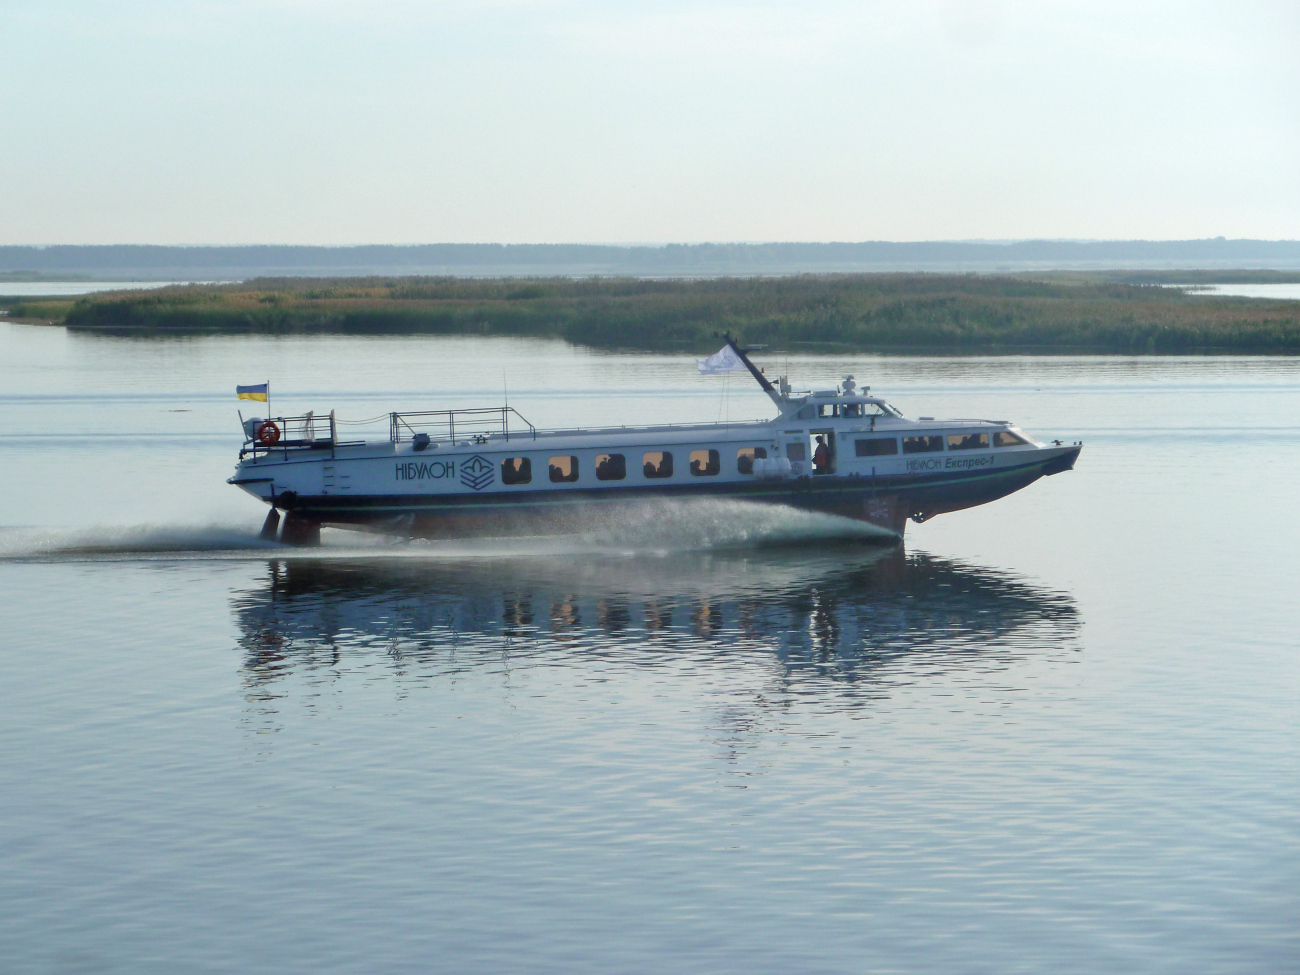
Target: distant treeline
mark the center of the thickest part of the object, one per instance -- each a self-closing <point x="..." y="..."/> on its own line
<point x="957" y="313"/>
<point x="169" y="263"/>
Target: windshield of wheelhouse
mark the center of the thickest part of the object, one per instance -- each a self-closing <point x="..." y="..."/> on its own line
<point x="851" y="409"/>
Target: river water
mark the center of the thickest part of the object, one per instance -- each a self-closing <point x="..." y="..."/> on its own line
<point x="1055" y="733"/>
<point x="1289" y="292"/>
<point x="73" y="289"/>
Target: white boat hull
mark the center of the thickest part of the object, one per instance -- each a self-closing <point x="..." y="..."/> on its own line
<point x="491" y="472"/>
<point x="391" y="488"/>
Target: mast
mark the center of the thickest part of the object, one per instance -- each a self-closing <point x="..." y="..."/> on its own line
<point x="754" y="371"/>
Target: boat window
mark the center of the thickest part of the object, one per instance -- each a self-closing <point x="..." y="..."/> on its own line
<point x="611" y="467"/>
<point x="705" y="463"/>
<point x="1005" y="438"/>
<point x="657" y="463"/>
<point x="922" y="444"/>
<point x="828" y="409"/>
<point x="746" y="456"/>
<point x="852" y="409"/>
<point x="968" y="441"/>
<point x="796" y="451"/>
<point x="516" y="470"/>
<point x="876" y="447"/>
<point x="564" y="468"/>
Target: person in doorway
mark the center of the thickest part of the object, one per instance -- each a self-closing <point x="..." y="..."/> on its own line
<point x="821" y="457"/>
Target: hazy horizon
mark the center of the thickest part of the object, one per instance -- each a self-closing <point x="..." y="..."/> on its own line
<point x="143" y="262"/>
<point x="650" y="244"/>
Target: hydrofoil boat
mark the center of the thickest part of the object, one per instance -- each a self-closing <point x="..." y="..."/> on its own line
<point x="447" y="473"/>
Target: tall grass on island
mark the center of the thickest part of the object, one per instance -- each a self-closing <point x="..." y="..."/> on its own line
<point x="927" y="312"/>
<point x="53" y="311"/>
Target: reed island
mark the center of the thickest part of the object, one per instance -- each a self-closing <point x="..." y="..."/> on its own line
<point x="1126" y="312"/>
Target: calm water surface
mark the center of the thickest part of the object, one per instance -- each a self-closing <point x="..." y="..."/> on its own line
<point x="1288" y="291"/>
<point x="1056" y="733"/>
<point x="69" y="289"/>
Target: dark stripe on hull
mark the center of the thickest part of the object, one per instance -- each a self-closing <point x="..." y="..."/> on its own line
<point x="884" y="501"/>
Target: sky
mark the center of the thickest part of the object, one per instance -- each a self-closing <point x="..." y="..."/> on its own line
<point x="646" y="121"/>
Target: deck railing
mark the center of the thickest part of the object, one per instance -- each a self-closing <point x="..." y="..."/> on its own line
<point x="317" y="431"/>
<point x="439" y="426"/>
<point x="452" y="426"/>
<point x="307" y="430"/>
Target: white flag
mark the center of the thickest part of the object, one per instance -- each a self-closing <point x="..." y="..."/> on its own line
<point x="724" y="360"/>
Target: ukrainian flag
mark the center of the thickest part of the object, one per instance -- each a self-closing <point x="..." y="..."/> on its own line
<point x="253" y="392"/>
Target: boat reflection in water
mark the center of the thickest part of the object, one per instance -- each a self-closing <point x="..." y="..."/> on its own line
<point x="845" y="620"/>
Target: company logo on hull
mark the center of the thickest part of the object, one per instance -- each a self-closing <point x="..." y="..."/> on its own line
<point x="477" y="473"/>
<point x="425" y="470"/>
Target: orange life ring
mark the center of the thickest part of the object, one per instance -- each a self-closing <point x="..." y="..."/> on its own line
<point x="268" y="434"/>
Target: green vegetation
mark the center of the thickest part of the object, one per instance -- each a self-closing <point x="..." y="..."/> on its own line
<point x="39" y="309"/>
<point x="935" y="312"/>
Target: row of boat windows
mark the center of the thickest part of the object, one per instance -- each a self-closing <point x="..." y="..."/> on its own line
<point x="613" y="467"/>
<point x="655" y="464"/>
<point x="928" y="443"/>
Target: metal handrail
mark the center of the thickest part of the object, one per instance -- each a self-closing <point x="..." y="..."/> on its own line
<point x="450" y="426"/>
<point x="635" y="428"/>
<point x="295" y="431"/>
<point x="475" y="424"/>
